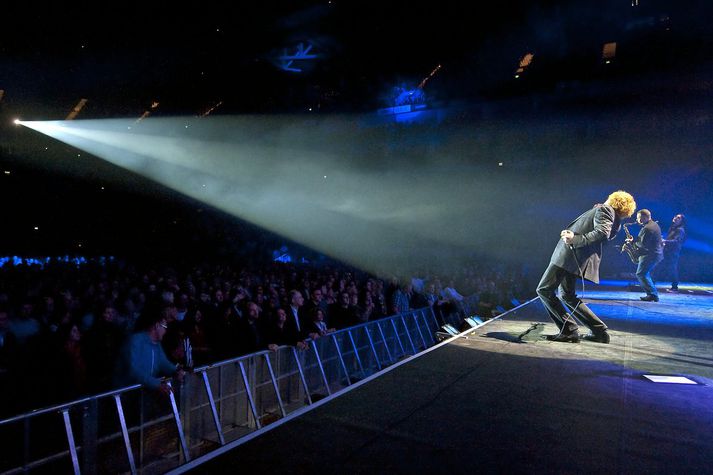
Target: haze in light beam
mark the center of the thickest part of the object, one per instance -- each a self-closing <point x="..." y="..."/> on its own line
<point x="383" y="200"/>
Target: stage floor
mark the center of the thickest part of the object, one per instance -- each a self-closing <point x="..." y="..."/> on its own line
<point x="506" y="400"/>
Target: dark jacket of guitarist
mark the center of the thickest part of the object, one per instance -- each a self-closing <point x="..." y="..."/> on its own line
<point x="649" y="249"/>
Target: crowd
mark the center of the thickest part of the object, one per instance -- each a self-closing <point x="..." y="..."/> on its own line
<point x="68" y="330"/>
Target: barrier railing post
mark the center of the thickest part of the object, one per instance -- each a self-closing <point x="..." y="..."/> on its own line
<point x="185" y="392"/>
<point x="398" y="338"/>
<point x="418" y="328"/>
<point x="408" y="334"/>
<point x="179" y="425"/>
<point x="249" y="393"/>
<point x="373" y="348"/>
<point x="125" y="433"/>
<point x="356" y="353"/>
<point x="89" y="436"/>
<point x="70" y="441"/>
<point x="386" y="344"/>
<point x="142" y="421"/>
<point x="427" y="328"/>
<point x="435" y="320"/>
<point x="274" y="385"/>
<point x="341" y="359"/>
<point x="321" y="369"/>
<point x="213" y="410"/>
<point x="302" y="374"/>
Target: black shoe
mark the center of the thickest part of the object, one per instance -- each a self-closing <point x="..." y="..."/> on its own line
<point x="599" y="337"/>
<point x="564" y="337"/>
<point x="650" y="298"/>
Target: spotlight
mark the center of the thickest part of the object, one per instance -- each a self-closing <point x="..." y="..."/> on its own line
<point x="16" y="122"/>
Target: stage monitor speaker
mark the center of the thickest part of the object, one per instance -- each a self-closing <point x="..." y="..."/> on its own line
<point x="450" y="329"/>
<point x="473" y="321"/>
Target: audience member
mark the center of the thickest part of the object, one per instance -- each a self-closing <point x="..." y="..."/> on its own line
<point x="142" y="358"/>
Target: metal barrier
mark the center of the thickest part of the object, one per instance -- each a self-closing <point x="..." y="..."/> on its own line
<point x="134" y="430"/>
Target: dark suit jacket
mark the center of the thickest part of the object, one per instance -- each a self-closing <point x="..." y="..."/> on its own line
<point x="649" y="240"/>
<point x="591" y="229"/>
<point x="293" y="334"/>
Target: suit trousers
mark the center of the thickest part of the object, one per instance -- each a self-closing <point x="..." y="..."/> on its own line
<point x="670" y="265"/>
<point x="643" y="272"/>
<point x="553" y="278"/>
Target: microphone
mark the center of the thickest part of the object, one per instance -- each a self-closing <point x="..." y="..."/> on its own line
<point x="570" y="245"/>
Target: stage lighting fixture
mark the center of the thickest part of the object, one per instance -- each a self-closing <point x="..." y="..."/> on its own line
<point x="16" y="122"/>
<point x="657" y="378"/>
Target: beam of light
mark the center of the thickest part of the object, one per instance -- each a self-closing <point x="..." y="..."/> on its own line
<point x="324" y="183"/>
<point x="385" y="200"/>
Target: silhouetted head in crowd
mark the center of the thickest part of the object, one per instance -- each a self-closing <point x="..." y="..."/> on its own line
<point x="155" y="311"/>
<point x="316" y="314"/>
<point x="108" y="313"/>
<point x="253" y="311"/>
<point x="296" y="299"/>
<point x="280" y="317"/>
<point x="344" y="299"/>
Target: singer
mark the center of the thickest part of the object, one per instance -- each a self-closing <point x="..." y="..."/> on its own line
<point x="578" y="254"/>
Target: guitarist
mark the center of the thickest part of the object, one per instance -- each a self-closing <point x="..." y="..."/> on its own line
<point x="649" y="248"/>
<point x="672" y="246"/>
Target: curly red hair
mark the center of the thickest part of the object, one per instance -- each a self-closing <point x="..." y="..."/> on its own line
<point x="622" y="202"/>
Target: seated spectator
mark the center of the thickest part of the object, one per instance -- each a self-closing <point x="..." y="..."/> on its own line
<point x="279" y="332"/>
<point x="276" y="331"/>
<point x="72" y="365"/>
<point x="341" y="314"/>
<point x="371" y="310"/>
<point x="295" y="315"/>
<point x="142" y="358"/>
<point x="316" y="301"/>
<point x="360" y="313"/>
<point x="194" y="330"/>
<point x="418" y="298"/>
<point x="317" y="325"/>
<point x="251" y="333"/>
<point x="174" y="346"/>
<point x="102" y="343"/>
<point x="223" y="330"/>
<point x="434" y="300"/>
<point x="401" y="299"/>
<point x="25" y="325"/>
